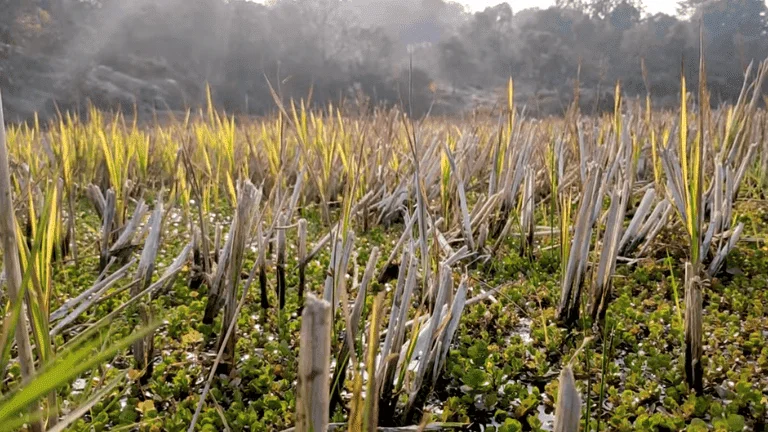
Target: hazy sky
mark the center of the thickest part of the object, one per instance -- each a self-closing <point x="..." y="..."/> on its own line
<point x="651" y="6"/>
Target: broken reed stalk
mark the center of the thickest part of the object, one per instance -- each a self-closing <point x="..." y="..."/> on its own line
<point x="220" y="354"/>
<point x="262" y="263"/>
<point x="335" y="281"/>
<point x="217" y="242"/>
<point x="465" y="220"/>
<point x="302" y="260"/>
<point x="344" y="355"/>
<point x="72" y="309"/>
<point x="13" y="267"/>
<point x="515" y="180"/>
<point x="71" y="226"/>
<point x="142" y="348"/>
<point x="568" y="410"/>
<point x="198" y="195"/>
<point x="106" y="228"/>
<point x="370" y="268"/>
<point x="603" y="280"/>
<point x="427" y="345"/>
<point x="216" y="294"/>
<point x="197" y="276"/>
<point x="573" y="278"/>
<point x="248" y="198"/>
<point x="167" y="278"/>
<point x="636" y="229"/>
<point x="312" y="402"/>
<point x="601" y="289"/>
<point x="526" y="216"/>
<point x="123" y="243"/>
<point x="401" y="300"/>
<point x="94" y="194"/>
<point x="693" y="327"/>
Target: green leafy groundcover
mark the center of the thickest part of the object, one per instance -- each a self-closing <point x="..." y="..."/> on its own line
<point x="506" y="356"/>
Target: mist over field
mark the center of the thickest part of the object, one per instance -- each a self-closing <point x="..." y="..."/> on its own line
<point x="159" y="54"/>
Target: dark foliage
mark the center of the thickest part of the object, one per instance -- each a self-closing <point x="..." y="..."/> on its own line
<point x="159" y="54"/>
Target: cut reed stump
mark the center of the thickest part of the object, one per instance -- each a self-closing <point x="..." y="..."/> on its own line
<point x="196" y="274"/>
<point x="573" y="279"/>
<point x="302" y="260"/>
<point x="314" y="366"/>
<point x="526" y="214"/>
<point x="228" y="268"/>
<point x="280" y="264"/>
<point x="262" y="269"/>
<point x="568" y="410"/>
<point x="602" y="282"/>
<point x="107" y="224"/>
<point x="144" y="347"/>
<point x="693" y="329"/>
<point x="248" y="199"/>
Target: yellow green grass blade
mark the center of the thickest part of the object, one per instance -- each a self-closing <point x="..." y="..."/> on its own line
<point x="70" y="365"/>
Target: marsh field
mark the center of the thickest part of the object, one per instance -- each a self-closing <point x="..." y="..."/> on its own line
<point x="365" y="269"/>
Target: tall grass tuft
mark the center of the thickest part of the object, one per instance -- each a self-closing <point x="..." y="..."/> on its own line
<point x="13" y="274"/>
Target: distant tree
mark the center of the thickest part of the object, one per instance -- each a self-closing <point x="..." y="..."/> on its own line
<point x="343" y="48"/>
<point x="688" y="7"/>
<point x="490" y="36"/>
<point x="735" y="32"/>
<point x="725" y="18"/>
<point x="372" y="49"/>
<point x="414" y="91"/>
<point x="547" y="59"/>
<point x="624" y="16"/>
<point x="601" y="8"/>
<point x="580" y="5"/>
<point x="456" y="61"/>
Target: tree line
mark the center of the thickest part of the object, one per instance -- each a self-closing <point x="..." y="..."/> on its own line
<point x="361" y="50"/>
